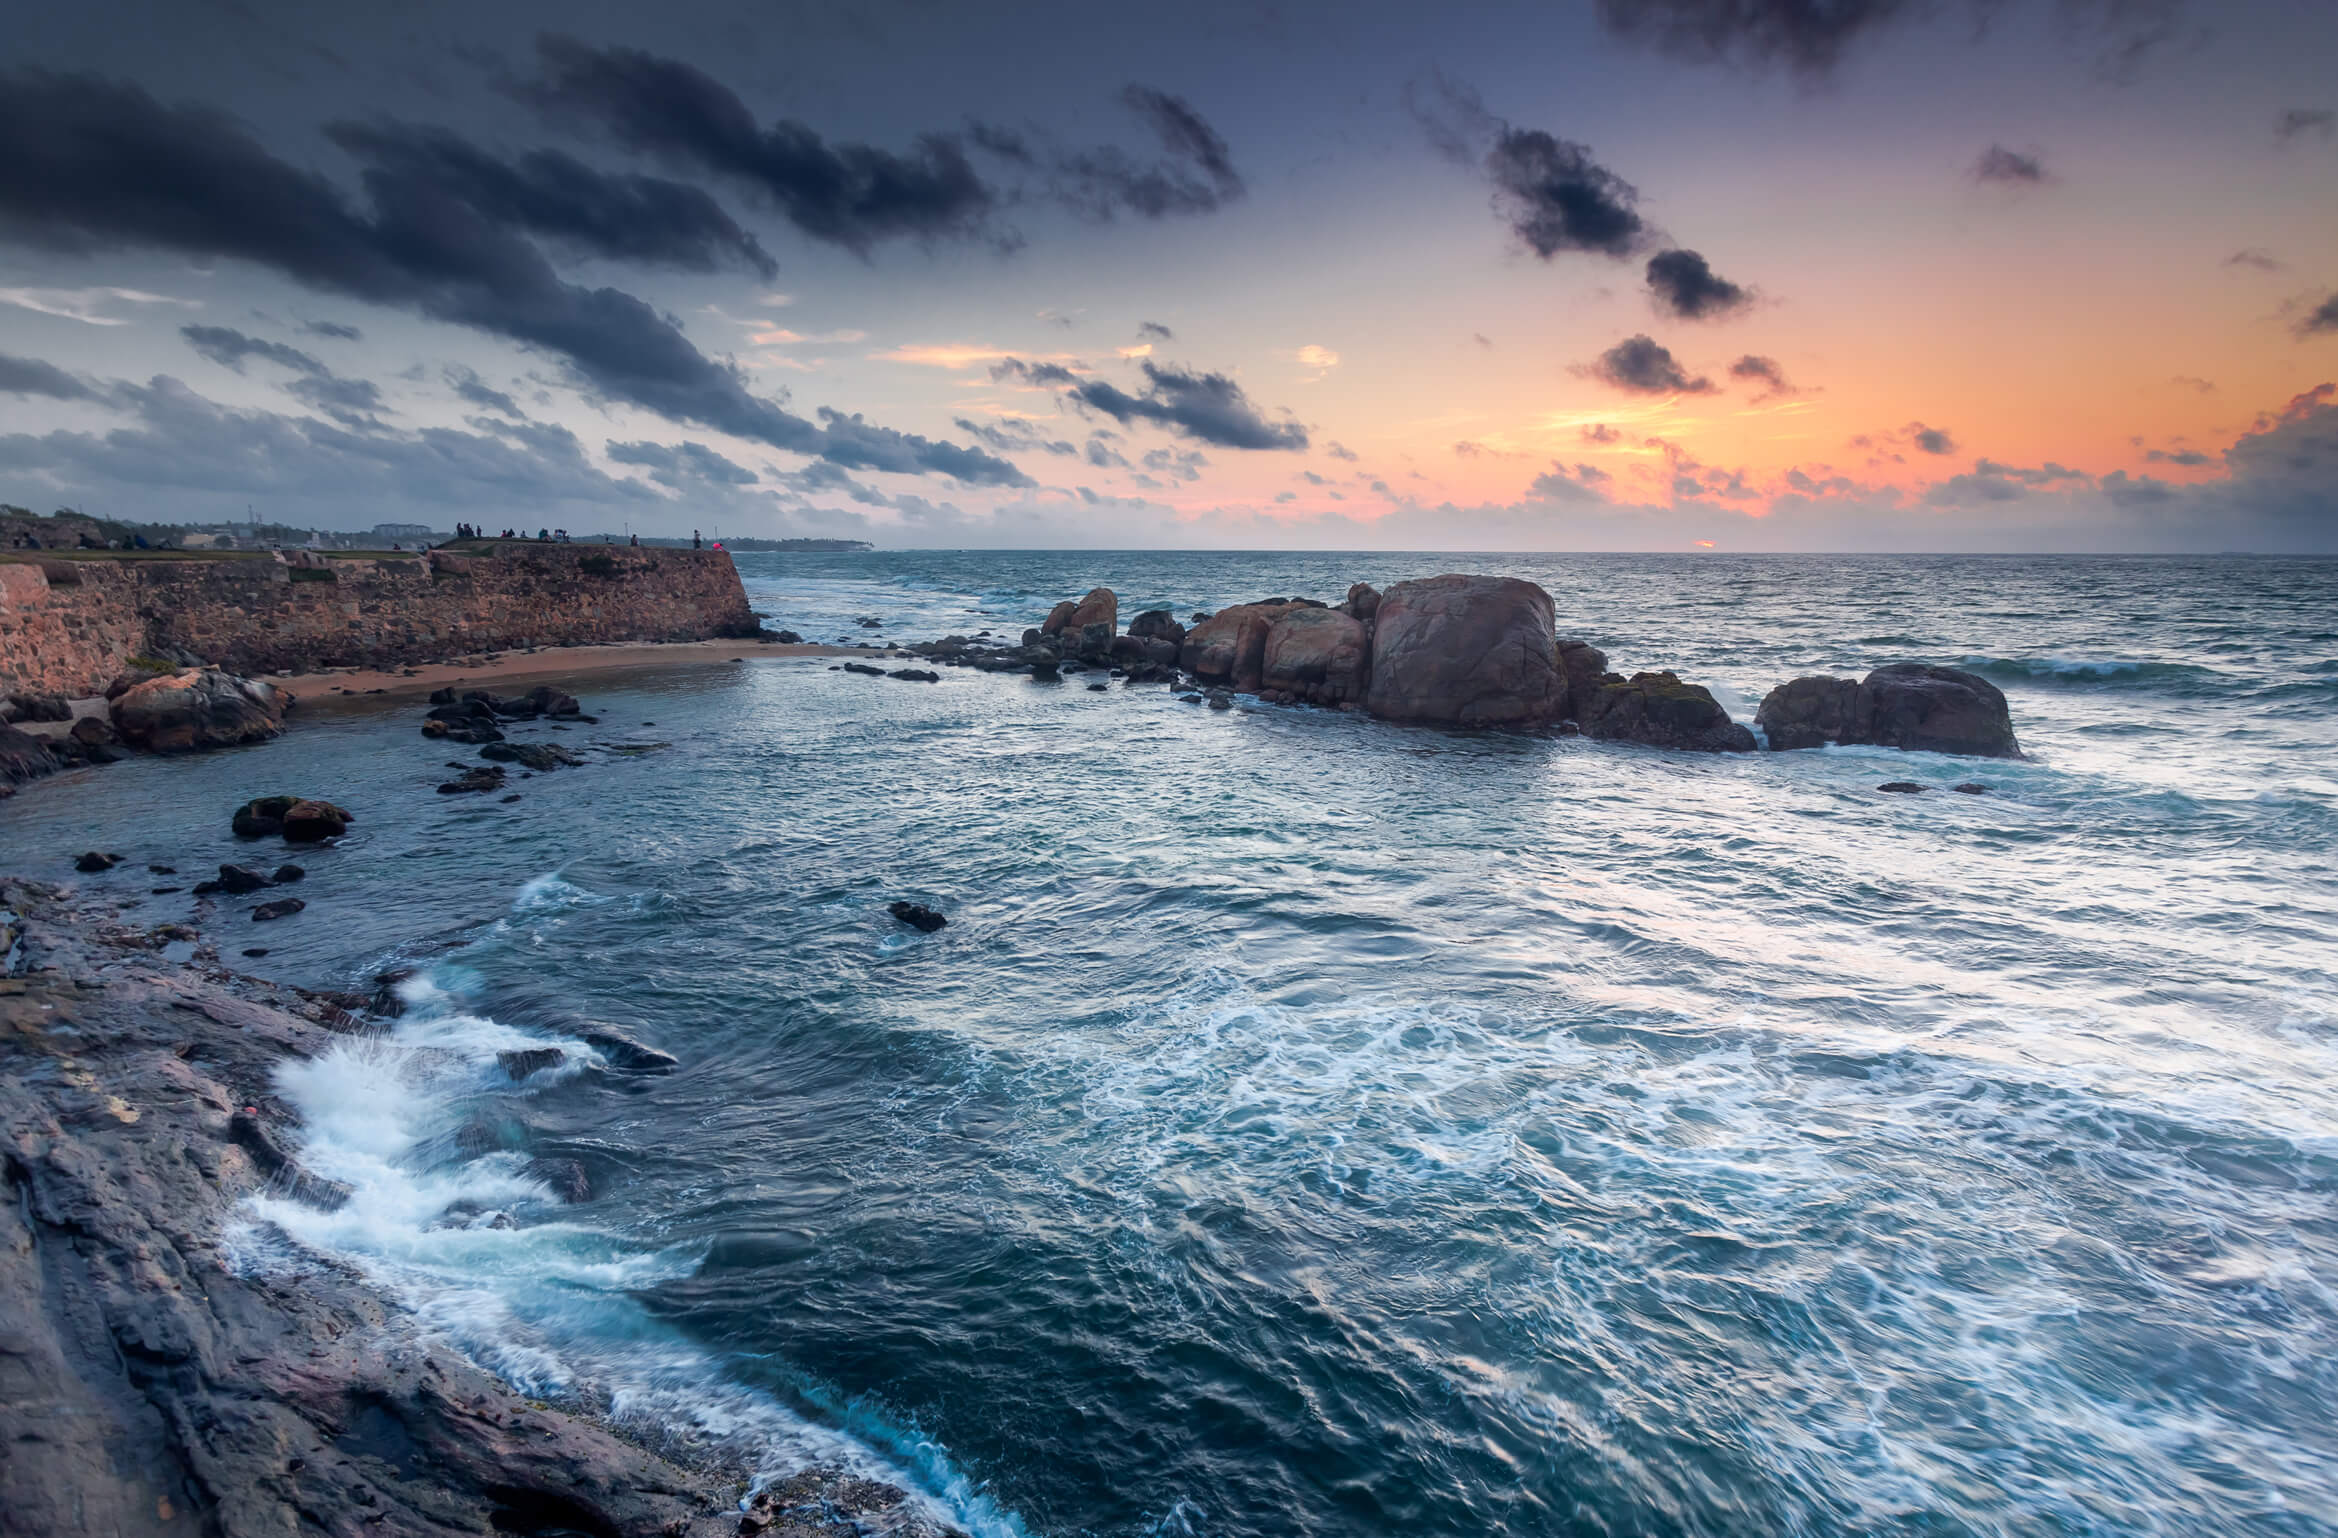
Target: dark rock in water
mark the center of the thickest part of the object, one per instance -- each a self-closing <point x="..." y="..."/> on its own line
<point x="544" y="700"/>
<point x="236" y="880"/>
<point x="566" y="1177"/>
<point x="1220" y="699"/>
<point x="473" y="781"/>
<point x="442" y="696"/>
<point x="23" y="757"/>
<point x="385" y="999"/>
<point x="916" y="675"/>
<point x="163" y="891"/>
<point x="1585" y="668"/>
<point x="1902" y="787"/>
<point x="162" y="870"/>
<point x="1913" y="706"/>
<point x="199" y="708"/>
<point x="1152" y="673"/>
<point x="785" y="637"/>
<point x="263" y="816"/>
<point x="1659" y="710"/>
<point x="1971" y="788"/>
<point x="862" y="667"/>
<point x="1157" y="625"/>
<point x="625" y="1054"/>
<point x="92" y="862"/>
<point x="1093" y="643"/>
<point x="255" y="950"/>
<point x="284" y="875"/>
<point x="1099" y="688"/>
<point x="508" y="800"/>
<point x="1046" y="668"/>
<point x="313" y="822"/>
<point x="525" y="1061"/>
<point x="281" y="908"/>
<point x="917" y="916"/>
<point x="1465" y="651"/>
<point x="1189" y="698"/>
<point x="539" y="756"/>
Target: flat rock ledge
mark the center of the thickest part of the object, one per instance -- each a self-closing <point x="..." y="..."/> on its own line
<point x="147" y="1388"/>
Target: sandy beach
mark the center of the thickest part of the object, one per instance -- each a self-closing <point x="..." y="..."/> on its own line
<point x="490" y="669"/>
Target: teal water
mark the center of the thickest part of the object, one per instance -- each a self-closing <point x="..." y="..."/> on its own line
<point x="1309" y="1126"/>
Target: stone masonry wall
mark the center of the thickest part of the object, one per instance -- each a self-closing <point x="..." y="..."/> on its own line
<point x="262" y="616"/>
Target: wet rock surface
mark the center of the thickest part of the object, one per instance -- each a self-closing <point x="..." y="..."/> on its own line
<point x="197" y="709"/>
<point x="155" y="1388"/>
<point x="1914" y="706"/>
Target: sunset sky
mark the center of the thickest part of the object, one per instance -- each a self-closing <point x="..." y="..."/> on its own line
<point x="1640" y="274"/>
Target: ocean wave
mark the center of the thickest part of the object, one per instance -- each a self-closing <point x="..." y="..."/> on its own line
<point x="2111" y="673"/>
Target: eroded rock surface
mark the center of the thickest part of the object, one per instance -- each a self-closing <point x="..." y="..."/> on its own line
<point x="1915" y="706"/>
<point x="198" y="708"/>
<point x="1465" y="651"/>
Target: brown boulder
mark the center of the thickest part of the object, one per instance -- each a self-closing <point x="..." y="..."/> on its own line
<point x="1230" y="646"/>
<point x="1100" y="607"/>
<point x="1320" y="655"/>
<point x="1465" y="651"/>
<point x="1657" y="709"/>
<point x="312" y="822"/>
<point x="1058" y="617"/>
<point x="1912" y="706"/>
<point x="198" y="708"/>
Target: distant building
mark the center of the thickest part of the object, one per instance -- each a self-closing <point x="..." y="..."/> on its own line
<point x="402" y="530"/>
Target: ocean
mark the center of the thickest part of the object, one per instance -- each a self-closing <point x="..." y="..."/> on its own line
<point x="1310" y="1126"/>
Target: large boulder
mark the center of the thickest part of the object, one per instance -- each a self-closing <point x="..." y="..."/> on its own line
<point x="1058" y="617"/>
<point x="1320" y="655"/>
<point x="1913" y="706"/>
<point x="1157" y="625"/>
<point x="1659" y="710"/>
<point x="1230" y="646"/>
<point x="1091" y="642"/>
<point x="198" y="708"/>
<point x="1100" y="607"/>
<point x="1465" y="651"/>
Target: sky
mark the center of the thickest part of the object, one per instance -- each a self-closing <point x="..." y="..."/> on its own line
<point x="1746" y="275"/>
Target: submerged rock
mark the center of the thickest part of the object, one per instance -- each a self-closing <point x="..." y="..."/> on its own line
<point x="521" y="1062"/>
<point x="917" y="916"/>
<point x="281" y="908"/>
<point x="1465" y="651"/>
<point x="1902" y="787"/>
<point x="473" y="781"/>
<point x="93" y="862"/>
<point x="541" y="757"/>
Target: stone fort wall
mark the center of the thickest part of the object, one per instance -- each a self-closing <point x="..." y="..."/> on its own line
<point x="67" y="627"/>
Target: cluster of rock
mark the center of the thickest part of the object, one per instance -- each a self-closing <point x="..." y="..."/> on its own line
<point x="471" y="716"/>
<point x="159" y="709"/>
<point x="1478" y="651"/>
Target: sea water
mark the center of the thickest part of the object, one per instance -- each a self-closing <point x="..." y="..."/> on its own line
<point x="1312" y="1126"/>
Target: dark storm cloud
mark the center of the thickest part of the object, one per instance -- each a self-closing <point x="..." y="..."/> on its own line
<point x="641" y="219"/>
<point x="1209" y="407"/>
<point x="93" y="163"/>
<point x="2321" y="320"/>
<point x="468" y="386"/>
<point x="30" y="376"/>
<point x="854" y="195"/>
<point x="1033" y="373"/>
<point x="1197" y="177"/>
<point x="677" y="464"/>
<point x="1549" y="190"/>
<point x="2293" y="122"/>
<point x="1755" y="368"/>
<point x="1809" y="38"/>
<point x="353" y="402"/>
<point x="1153" y="330"/>
<point x="333" y="330"/>
<point x="1640" y="365"/>
<point x="1687" y="287"/>
<point x="1011" y="437"/>
<point x="1557" y="198"/>
<point x="2008" y="167"/>
<point x="229" y="348"/>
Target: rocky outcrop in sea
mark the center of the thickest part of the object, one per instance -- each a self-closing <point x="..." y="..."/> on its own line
<point x="1480" y="651"/>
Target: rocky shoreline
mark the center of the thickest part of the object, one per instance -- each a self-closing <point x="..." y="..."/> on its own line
<point x="155" y="1385"/>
